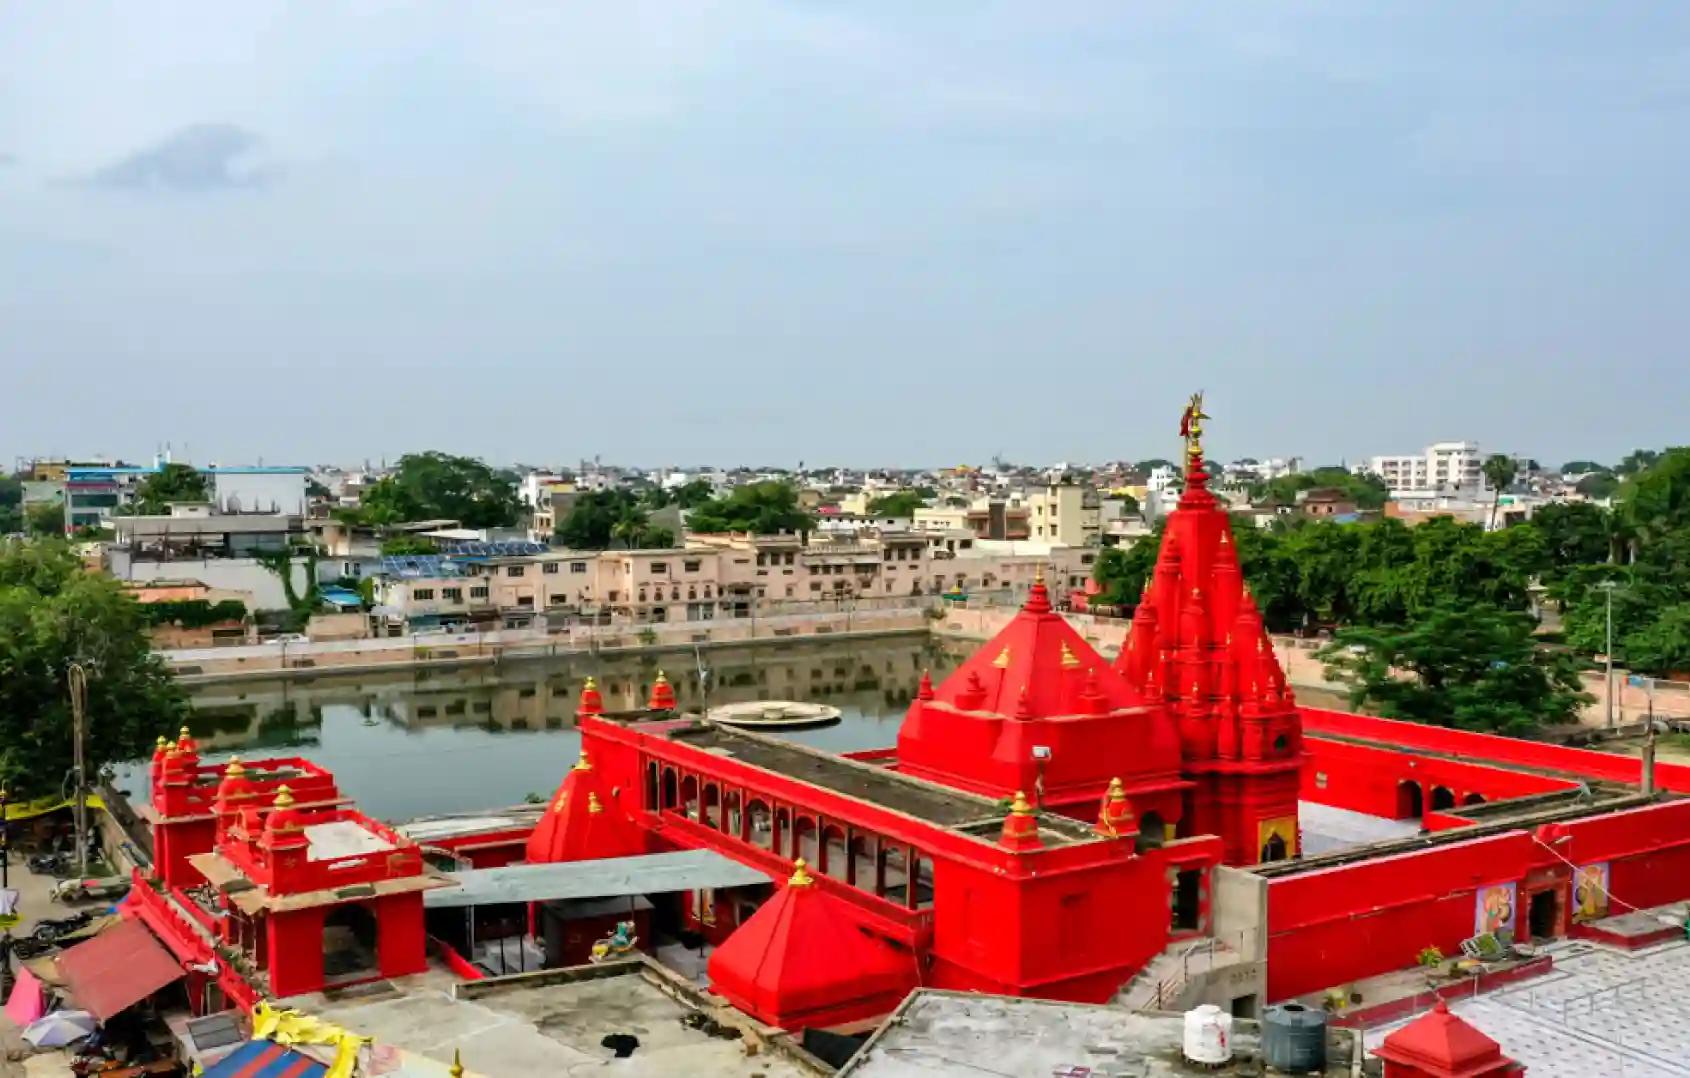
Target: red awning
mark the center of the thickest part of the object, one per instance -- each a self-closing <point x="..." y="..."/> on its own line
<point x="116" y="969"/>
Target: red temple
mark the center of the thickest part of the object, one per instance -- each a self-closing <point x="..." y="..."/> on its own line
<point x="1048" y="824"/>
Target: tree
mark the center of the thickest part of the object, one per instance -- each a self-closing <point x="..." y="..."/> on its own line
<point x="1599" y="486"/>
<point x="904" y="503"/>
<point x="1574" y="534"/>
<point x="766" y="508"/>
<point x="1129" y="505"/>
<point x="1582" y="467"/>
<point x="592" y="519"/>
<point x="1465" y="665"/>
<point x="1368" y="491"/>
<point x="171" y="483"/>
<point x="401" y="545"/>
<point x="1499" y="471"/>
<point x="11" y="500"/>
<point x="45" y="518"/>
<point x="53" y="613"/>
<point x="692" y="494"/>
<point x="1636" y="461"/>
<point x="439" y="486"/>
<point x="1122" y="572"/>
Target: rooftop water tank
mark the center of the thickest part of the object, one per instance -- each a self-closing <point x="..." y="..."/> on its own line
<point x="1294" y="1038"/>
<point x="1208" y="1035"/>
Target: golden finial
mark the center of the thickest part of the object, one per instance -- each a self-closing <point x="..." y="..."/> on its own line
<point x="593" y="806"/>
<point x="1068" y="657"/>
<point x="1117" y="790"/>
<point x="457" y="1070"/>
<point x="1002" y="661"/>
<point x="589" y="685"/>
<point x="661" y="680"/>
<point x="1039" y="573"/>
<point x="163" y="742"/>
<point x="185" y="734"/>
<point x="1019" y="806"/>
<point x="284" y="797"/>
<point x="1224" y="538"/>
<point x="234" y="770"/>
<point x="800" y="875"/>
<point x="582" y="763"/>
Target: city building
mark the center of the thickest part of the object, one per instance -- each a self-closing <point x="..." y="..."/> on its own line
<point x="221" y="551"/>
<point x="1441" y="466"/>
<point x="190" y="614"/>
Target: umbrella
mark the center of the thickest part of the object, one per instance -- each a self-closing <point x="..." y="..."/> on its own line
<point x="59" y="1029"/>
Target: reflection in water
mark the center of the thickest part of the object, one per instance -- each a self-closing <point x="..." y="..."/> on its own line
<point x="412" y="742"/>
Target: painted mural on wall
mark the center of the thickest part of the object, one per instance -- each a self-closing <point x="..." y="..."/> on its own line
<point x="1276" y="839"/>
<point x="1494" y="909"/>
<point x="1590" y="892"/>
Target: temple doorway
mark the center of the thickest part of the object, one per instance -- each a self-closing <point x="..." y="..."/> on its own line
<point x="1187" y="909"/>
<point x="1410" y="801"/>
<point x="1543" y="916"/>
<point x="1442" y="798"/>
<point x="349" y="943"/>
<point x="1151" y="832"/>
<point x="1274" y="848"/>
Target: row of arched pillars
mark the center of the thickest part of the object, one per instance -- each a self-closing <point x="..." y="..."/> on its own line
<point x="834" y="848"/>
<point x="1414" y="800"/>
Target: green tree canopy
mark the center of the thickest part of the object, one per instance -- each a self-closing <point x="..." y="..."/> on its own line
<point x="1467" y="665"/>
<point x="903" y="503"/>
<point x="1582" y="467"/>
<point x="53" y="613"/>
<point x="398" y="545"/>
<point x="439" y="486"/>
<point x="171" y="483"/>
<point x="1366" y="490"/>
<point x="765" y="508"/>
<point x="1500" y="471"/>
<point x="45" y="518"/>
<point x="1637" y="460"/>
<point x="605" y="518"/>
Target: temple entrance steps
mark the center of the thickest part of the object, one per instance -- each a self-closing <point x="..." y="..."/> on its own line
<point x="1178" y="976"/>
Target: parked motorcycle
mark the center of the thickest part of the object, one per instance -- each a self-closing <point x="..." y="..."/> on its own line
<point x="49" y="930"/>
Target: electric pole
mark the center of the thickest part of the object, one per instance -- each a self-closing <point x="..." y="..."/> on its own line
<point x="1608" y="654"/>
<point x="78" y="679"/>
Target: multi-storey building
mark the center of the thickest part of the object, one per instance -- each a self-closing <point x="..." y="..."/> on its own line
<point x="1440" y="466"/>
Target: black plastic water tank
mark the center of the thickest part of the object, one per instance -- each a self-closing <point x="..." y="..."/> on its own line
<point x="1294" y="1038"/>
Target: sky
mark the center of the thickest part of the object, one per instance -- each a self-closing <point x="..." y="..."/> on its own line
<point x="862" y="233"/>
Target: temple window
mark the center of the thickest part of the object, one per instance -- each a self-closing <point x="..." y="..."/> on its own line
<point x="730" y="814"/>
<point x="689" y="797"/>
<point x="711" y="812"/>
<point x="760" y="825"/>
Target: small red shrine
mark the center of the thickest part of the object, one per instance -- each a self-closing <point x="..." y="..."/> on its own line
<point x="264" y="861"/>
<point x="1439" y="1044"/>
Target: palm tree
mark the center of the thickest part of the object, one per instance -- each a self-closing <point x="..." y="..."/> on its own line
<point x="1499" y="471"/>
<point x="629" y="527"/>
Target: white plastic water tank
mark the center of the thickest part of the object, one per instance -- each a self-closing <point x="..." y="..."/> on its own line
<point x="1208" y="1035"/>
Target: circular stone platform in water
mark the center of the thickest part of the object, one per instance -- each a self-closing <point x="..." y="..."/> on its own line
<point x="773" y="715"/>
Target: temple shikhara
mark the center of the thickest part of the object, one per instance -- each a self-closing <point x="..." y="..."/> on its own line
<point x="1050" y="823"/>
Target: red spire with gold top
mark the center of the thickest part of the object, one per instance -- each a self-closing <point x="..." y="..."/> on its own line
<point x="1021" y="827"/>
<point x="591" y="702"/>
<point x="582" y="823"/>
<point x="1197" y="641"/>
<point x="662" y="694"/>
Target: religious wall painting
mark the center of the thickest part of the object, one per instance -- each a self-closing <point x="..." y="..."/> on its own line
<point x="1494" y="909"/>
<point x="1276" y="838"/>
<point x="1590" y="892"/>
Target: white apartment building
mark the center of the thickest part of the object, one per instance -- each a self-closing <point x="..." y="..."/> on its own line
<point x="1440" y="466"/>
<point x="1066" y="514"/>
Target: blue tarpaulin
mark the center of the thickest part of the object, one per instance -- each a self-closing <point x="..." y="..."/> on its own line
<point x="266" y="1059"/>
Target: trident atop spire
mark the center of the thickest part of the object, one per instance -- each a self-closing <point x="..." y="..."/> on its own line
<point x="1191" y="426"/>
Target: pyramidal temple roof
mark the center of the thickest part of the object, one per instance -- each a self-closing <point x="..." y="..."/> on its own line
<point x="808" y="957"/>
<point x="1037" y="667"/>
<point x="582" y="823"/>
<point x="1440" y="1042"/>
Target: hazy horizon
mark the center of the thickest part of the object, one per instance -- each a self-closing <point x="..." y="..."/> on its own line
<point x="873" y="235"/>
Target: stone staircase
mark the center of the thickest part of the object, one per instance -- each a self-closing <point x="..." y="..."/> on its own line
<point x="1182" y="968"/>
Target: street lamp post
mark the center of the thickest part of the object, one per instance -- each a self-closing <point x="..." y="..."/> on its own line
<point x="5" y="885"/>
<point x="1607" y="587"/>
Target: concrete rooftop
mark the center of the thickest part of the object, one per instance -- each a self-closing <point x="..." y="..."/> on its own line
<point x="938" y="1032"/>
<point x="545" y="1024"/>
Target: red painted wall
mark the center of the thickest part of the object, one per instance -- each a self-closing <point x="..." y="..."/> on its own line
<point x="1364" y="778"/>
<point x="1337" y="925"/>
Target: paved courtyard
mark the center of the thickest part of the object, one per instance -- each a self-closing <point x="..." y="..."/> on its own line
<point x="1601" y="1011"/>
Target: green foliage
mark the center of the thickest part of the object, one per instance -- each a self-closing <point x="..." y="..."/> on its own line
<point x="1582" y="467"/>
<point x="1637" y="460"/>
<point x="1499" y="471"/>
<point x="904" y="503"/>
<point x="1366" y="490"/>
<point x="692" y="493"/>
<point x="439" y="486"/>
<point x="192" y="613"/>
<point x="1468" y="665"/>
<point x="47" y="518"/>
<point x="401" y="545"/>
<point x="1430" y="957"/>
<point x="280" y="562"/>
<point x="53" y="613"/>
<point x="11" y="502"/>
<point x="1600" y="486"/>
<point x="765" y="508"/>
<point x="171" y="483"/>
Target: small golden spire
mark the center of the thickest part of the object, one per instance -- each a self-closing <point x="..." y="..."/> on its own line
<point x="1002" y="661"/>
<point x="589" y="685"/>
<point x="593" y="806"/>
<point x="661" y="680"/>
<point x="582" y="763"/>
<point x="1039" y="573"/>
<point x="1019" y="806"/>
<point x="163" y="742"/>
<point x="234" y="770"/>
<point x="800" y="875"/>
<point x="1117" y="790"/>
<point x="1068" y="658"/>
<point x="284" y="797"/>
<point x="457" y="1070"/>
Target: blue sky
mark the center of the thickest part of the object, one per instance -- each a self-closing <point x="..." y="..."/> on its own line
<point x="870" y="233"/>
